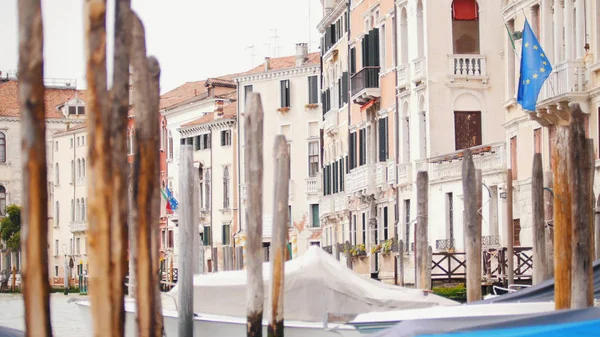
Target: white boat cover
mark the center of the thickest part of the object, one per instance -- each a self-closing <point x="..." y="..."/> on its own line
<point x="315" y="284"/>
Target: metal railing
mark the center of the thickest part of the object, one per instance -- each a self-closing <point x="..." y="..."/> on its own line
<point x="367" y="77"/>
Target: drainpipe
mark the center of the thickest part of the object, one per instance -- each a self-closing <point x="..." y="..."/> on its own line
<point x="397" y="121"/>
<point x="349" y="115"/>
<point x="239" y="170"/>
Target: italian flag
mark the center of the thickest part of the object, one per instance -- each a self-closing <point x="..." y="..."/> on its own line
<point x="168" y="207"/>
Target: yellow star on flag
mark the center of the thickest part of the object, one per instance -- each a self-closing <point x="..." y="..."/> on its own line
<point x="535" y="76"/>
<point x="542" y="55"/>
<point x="542" y="69"/>
<point x="535" y="47"/>
<point x="544" y="62"/>
<point x="527" y="81"/>
<point x="526" y="44"/>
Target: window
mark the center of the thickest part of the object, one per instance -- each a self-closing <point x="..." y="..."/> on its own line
<point x="247" y="89"/>
<point x="352" y="151"/>
<point x="70" y="246"/>
<point x="78" y="168"/>
<point x="71" y="143"/>
<point x="290" y="216"/>
<point x="226" y="234"/>
<point x="225" y="137"/>
<point x="382" y="48"/>
<point x="537" y="140"/>
<point x="78" y="141"/>
<point x="383" y="139"/>
<point x="342" y="172"/>
<point x="57" y="217"/>
<point x="467" y="129"/>
<point x="364" y="228"/>
<point x="370" y="49"/>
<point x="170" y="239"/>
<point x="56" y="146"/>
<point x="56" y="269"/>
<point x="83" y="167"/>
<point x="450" y="218"/>
<point x="196" y="143"/>
<point x="77" y="210"/>
<point x="314" y="211"/>
<point x="72" y="171"/>
<point x="206" y="236"/>
<point x="72" y="210"/>
<point x="226" y="187"/>
<point x="76" y="110"/>
<point x="2" y="147"/>
<point x="465" y="27"/>
<point x="407" y="224"/>
<point x="163" y="137"/>
<point x="83" y="215"/>
<point x="285" y="93"/>
<point x="313" y="158"/>
<point x="170" y="145"/>
<point x="78" y="246"/>
<point x="313" y="90"/>
<point x="56" y="251"/>
<point x="362" y="149"/>
<point x="513" y="157"/>
<point x="207" y="189"/>
<point x="57" y="174"/>
<point x="201" y="190"/>
<point x="353" y="231"/>
<point x="385" y="223"/>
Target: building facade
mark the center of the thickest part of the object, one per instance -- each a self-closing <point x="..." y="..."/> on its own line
<point x="425" y="81"/>
<point x="290" y="99"/>
<point x="569" y="33"/>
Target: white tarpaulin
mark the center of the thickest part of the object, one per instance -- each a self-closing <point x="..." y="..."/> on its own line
<point x="315" y="284"/>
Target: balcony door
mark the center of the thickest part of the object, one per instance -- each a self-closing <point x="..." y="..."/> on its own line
<point x="467" y="129"/>
<point x="465" y="27"/>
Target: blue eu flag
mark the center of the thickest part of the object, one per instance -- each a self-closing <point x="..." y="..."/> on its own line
<point x="172" y="200"/>
<point x="535" y="69"/>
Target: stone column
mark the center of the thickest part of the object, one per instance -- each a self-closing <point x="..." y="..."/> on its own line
<point x="546" y="31"/>
<point x="580" y="28"/>
<point x="558" y="26"/>
<point x="372" y="231"/>
<point x="569" y="26"/>
<point x="510" y="63"/>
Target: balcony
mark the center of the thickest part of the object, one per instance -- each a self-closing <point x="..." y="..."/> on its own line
<point x="567" y="78"/>
<point x="488" y="158"/>
<point x="404" y="174"/>
<point x="391" y="172"/>
<point x="330" y="125"/>
<point x="326" y="206"/>
<point x="365" y="85"/>
<point x="361" y="178"/>
<point x="403" y="77"/>
<point x="418" y="70"/>
<point x="340" y="202"/>
<point x="79" y="226"/>
<point x="384" y="173"/>
<point x="467" y="67"/>
<point x="312" y="186"/>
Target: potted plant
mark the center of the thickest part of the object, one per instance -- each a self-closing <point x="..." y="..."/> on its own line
<point x="283" y="109"/>
<point x="311" y="106"/>
<point x="386" y="247"/>
<point x="376" y="249"/>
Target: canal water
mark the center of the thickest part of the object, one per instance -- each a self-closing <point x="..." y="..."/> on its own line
<point x="66" y="319"/>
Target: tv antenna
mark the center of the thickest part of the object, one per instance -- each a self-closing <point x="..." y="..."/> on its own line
<point x="251" y="55"/>
<point x="275" y="39"/>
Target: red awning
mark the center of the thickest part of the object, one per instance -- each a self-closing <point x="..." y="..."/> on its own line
<point x="464" y="10"/>
<point x="368" y="105"/>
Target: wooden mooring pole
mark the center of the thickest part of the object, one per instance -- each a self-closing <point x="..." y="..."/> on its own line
<point x="597" y="229"/>
<point x="254" y="170"/>
<point x="185" y="279"/>
<point x="510" y="230"/>
<point x="422" y="229"/>
<point x="549" y="224"/>
<point x="581" y="165"/>
<point x="562" y="221"/>
<point x="469" y="181"/>
<point x="119" y="100"/>
<point x="401" y="263"/>
<point x="280" y="228"/>
<point x="539" y="230"/>
<point x="34" y="231"/>
<point x="146" y="183"/>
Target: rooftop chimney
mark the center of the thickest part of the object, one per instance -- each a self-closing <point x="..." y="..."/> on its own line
<point x="267" y="63"/>
<point x="301" y="54"/>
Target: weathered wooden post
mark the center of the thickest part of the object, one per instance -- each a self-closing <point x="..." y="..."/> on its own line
<point x="472" y="248"/>
<point x="239" y="257"/>
<point x="562" y="220"/>
<point x="548" y="224"/>
<point x="215" y="259"/>
<point x="510" y="230"/>
<point x="581" y="164"/>
<point x="185" y="280"/>
<point x="597" y="229"/>
<point x="348" y="255"/>
<point x="429" y="264"/>
<point x="254" y="162"/>
<point x="119" y="107"/>
<point x="35" y="195"/>
<point x="539" y="230"/>
<point x="478" y="235"/>
<point x="400" y="263"/>
<point x="422" y="229"/>
<point x="132" y="226"/>
<point x="280" y="225"/>
<point x="146" y="183"/>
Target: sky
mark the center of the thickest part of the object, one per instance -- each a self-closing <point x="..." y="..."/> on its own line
<point x="192" y="39"/>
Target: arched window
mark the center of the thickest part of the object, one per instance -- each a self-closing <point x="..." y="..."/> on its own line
<point x="207" y="188"/>
<point x="2" y="147"/>
<point x="226" y="187"/>
<point x="78" y="168"/>
<point x="465" y="26"/>
<point x="201" y="193"/>
<point x="72" y="210"/>
<point x="83" y="209"/>
<point x="72" y="171"/>
<point x="420" y="30"/>
<point x="57" y="174"/>
<point x="83" y="167"/>
<point x="2" y="200"/>
<point x="77" y="210"/>
<point x="403" y="37"/>
<point x="57" y="217"/>
<point x="170" y="145"/>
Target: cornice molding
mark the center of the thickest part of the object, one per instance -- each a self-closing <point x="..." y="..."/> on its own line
<point x="197" y="130"/>
<point x="275" y="74"/>
<point x="333" y="15"/>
